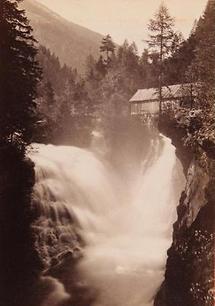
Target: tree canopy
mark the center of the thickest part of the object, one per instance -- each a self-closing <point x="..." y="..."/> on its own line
<point x="161" y="39"/>
<point x="107" y="47"/>
<point x="20" y="72"/>
<point x="161" y="32"/>
<point x="202" y="68"/>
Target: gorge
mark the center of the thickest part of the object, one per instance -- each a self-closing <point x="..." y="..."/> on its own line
<point x="110" y="228"/>
<point x="189" y="277"/>
<point x="100" y="230"/>
<point x="100" y="206"/>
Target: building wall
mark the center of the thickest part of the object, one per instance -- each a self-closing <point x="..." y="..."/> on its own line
<point x="152" y="107"/>
<point x="144" y="107"/>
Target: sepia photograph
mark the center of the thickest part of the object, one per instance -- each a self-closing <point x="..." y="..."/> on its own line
<point x="107" y="153"/>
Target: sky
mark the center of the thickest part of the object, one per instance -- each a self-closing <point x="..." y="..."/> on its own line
<point x="126" y="18"/>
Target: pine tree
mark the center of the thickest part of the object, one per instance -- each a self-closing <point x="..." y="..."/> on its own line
<point x="202" y="69"/>
<point x="101" y="67"/>
<point x="107" y="47"/>
<point x="19" y="73"/>
<point x="49" y="94"/>
<point x="176" y="65"/>
<point x="160" y="40"/>
<point x="90" y="67"/>
<point x="127" y="56"/>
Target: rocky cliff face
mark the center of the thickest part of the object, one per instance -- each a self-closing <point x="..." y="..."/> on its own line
<point x="189" y="278"/>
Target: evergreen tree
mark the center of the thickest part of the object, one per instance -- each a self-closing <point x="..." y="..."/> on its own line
<point x="90" y="67"/>
<point x="101" y="67"/>
<point x="19" y="73"/>
<point x="202" y="69"/>
<point x="55" y="100"/>
<point x="107" y="47"/>
<point x="149" y="67"/>
<point x="175" y="67"/>
<point x="49" y="91"/>
<point x="128" y="56"/>
<point x="161" y="38"/>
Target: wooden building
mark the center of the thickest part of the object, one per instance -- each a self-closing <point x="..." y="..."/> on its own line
<point x="146" y="101"/>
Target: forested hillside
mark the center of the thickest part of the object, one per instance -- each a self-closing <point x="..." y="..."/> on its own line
<point x="69" y="105"/>
<point x="63" y="107"/>
<point x="67" y="99"/>
<point x="70" y="42"/>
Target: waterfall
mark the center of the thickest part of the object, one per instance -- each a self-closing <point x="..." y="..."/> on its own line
<point x="126" y="224"/>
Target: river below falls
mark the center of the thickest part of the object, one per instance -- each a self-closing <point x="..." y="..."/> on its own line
<point x="125" y="219"/>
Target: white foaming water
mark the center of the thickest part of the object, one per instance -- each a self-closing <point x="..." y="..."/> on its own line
<point x="127" y="226"/>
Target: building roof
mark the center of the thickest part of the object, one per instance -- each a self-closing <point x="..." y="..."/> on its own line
<point x="168" y="92"/>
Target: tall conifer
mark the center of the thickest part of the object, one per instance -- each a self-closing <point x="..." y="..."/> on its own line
<point x="19" y="73"/>
<point x="160" y="39"/>
<point x="202" y="69"/>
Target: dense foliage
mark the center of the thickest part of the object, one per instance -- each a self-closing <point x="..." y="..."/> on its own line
<point x="69" y="106"/>
<point x="19" y="73"/>
<point x="63" y="107"/>
<point x="195" y="62"/>
<point x="70" y="102"/>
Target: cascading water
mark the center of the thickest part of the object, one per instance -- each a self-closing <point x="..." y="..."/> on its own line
<point x="126" y="225"/>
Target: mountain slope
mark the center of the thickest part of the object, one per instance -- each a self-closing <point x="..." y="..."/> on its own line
<point x="70" y="42"/>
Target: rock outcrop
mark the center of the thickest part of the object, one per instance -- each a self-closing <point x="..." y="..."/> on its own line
<point x="189" y="277"/>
